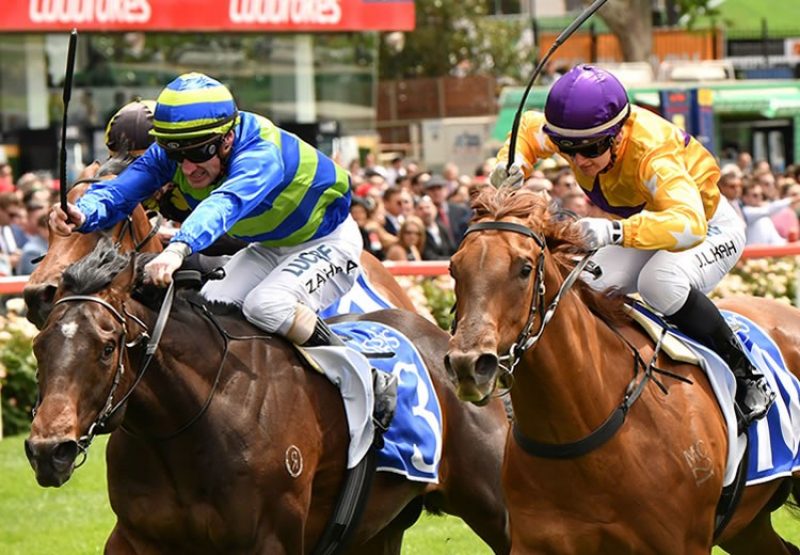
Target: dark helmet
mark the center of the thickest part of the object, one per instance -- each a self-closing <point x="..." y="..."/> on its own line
<point x="191" y="108"/>
<point x="586" y="105"/>
<point x="129" y="128"/>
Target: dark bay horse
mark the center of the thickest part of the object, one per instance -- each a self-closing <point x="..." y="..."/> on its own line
<point x="236" y="453"/>
<point x="654" y="485"/>
<point x="137" y="233"/>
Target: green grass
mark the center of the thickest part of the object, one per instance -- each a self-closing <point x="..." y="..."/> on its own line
<point x="76" y="518"/>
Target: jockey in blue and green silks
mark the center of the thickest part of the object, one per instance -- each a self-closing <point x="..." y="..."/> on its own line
<point x="244" y="176"/>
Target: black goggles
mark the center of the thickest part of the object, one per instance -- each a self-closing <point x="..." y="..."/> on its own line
<point x="591" y="150"/>
<point x="196" y="153"/>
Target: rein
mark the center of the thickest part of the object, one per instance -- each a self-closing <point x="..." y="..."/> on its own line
<point x="110" y="407"/>
<point x="527" y="340"/>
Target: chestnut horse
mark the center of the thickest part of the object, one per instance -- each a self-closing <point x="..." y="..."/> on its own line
<point x="200" y="452"/>
<point x="136" y="232"/>
<point x="571" y="352"/>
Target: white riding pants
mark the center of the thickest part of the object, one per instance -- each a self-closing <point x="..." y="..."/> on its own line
<point x="269" y="282"/>
<point x="663" y="278"/>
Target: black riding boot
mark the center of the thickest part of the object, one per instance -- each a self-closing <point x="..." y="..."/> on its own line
<point x="384" y="385"/>
<point x="700" y="319"/>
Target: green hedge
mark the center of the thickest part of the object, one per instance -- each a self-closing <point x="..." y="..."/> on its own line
<point x="17" y="369"/>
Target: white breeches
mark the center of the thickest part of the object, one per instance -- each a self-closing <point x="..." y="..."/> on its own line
<point x="663" y="278"/>
<point x="269" y="282"/>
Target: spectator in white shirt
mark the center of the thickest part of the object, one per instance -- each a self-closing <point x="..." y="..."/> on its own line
<point x="757" y="213"/>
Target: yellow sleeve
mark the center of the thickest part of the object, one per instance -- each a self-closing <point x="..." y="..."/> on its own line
<point x="532" y="143"/>
<point x="674" y="218"/>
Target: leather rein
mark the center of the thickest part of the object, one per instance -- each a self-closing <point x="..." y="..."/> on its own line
<point x="527" y="339"/>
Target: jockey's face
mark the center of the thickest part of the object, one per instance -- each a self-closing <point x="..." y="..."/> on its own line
<point x="202" y="174"/>
<point x="592" y="166"/>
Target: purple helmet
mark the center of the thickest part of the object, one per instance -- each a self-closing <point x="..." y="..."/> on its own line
<point x="585" y="106"/>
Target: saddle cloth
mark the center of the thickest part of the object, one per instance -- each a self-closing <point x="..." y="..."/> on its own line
<point x="362" y="298"/>
<point x="775" y="439"/>
<point x="413" y="443"/>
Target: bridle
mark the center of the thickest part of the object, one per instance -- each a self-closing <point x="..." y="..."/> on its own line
<point x="527" y="338"/>
<point x="110" y="407"/>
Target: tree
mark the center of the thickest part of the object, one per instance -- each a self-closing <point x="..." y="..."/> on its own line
<point x="631" y="21"/>
<point x="455" y="35"/>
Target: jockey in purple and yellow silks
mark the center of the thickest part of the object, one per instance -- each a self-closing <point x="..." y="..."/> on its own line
<point x="242" y="175"/>
<point x="669" y="235"/>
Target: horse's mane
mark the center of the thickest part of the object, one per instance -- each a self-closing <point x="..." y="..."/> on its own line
<point x="95" y="271"/>
<point x="564" y="240"/>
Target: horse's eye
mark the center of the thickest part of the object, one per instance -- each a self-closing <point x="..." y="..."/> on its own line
<point x="526" y="271"/>
<point x="108" y="350"/>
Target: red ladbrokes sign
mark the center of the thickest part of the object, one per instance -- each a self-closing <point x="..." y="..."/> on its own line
<point x="207" y="15"/>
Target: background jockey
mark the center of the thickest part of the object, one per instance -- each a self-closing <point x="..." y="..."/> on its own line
<point x="128" y="133"/>
<point x="128" y="130"/>
<point x="669" y="234"/>
<point x="243" y="175"/>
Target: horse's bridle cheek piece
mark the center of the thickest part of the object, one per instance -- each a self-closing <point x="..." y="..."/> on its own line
<point x="109" y="407"/>
<point x="527" y="338"/>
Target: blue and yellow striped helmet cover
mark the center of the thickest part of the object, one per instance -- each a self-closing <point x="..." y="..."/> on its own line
<point x="193" y="105"/>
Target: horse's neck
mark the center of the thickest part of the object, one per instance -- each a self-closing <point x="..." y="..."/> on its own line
<point x="179" y="377"/>
<point x="574" y="377"/>
<point x="192" y="367"/>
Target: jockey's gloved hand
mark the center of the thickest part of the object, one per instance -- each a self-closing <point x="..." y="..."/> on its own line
<point x="599" y="232"/>
<point x="159" y="270"/>
<point x="503" y="176"/>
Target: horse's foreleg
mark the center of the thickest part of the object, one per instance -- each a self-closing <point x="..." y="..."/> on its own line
<point x="118" y="543"/>
<point x="758" y="537"/>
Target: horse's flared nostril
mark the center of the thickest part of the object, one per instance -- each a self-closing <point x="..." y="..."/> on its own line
<point x="486" y="367"/>
<point x="65" y="453"/>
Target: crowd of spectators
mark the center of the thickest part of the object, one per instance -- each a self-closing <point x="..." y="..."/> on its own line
<point x="767" y="201"/>
<point x="408" y="213"/>
<point x="24" y="206"/>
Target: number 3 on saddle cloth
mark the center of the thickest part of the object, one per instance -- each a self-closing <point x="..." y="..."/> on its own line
<point x="412" y="446"/>
<point x="775" y="439"/>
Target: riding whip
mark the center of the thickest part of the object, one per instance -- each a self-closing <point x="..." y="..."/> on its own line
<point x="565" y="34"/>
<point x="73" y="41"/>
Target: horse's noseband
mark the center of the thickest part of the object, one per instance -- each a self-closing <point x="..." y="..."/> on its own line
<point x="526" y="338"/>
<point x="109" y="408"/>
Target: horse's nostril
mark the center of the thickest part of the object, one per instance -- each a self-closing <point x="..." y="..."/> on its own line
<point x="486" y="365"/>
<point x="447" y="366"/>
<point x="28" y="450"/>
<point x="65" y="452"/>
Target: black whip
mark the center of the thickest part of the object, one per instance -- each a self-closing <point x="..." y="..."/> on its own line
<point x="565" y="34"/>
<point x="73" y="41"/>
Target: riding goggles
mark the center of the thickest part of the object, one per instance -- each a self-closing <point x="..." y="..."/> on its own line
<point x="196" y="153"/>
<point x="590" y="150"/>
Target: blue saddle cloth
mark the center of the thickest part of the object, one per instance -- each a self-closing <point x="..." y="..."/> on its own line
<point x="413" y="442"/>
<point x="362" y="298"/>
<point x="775" y="439"/>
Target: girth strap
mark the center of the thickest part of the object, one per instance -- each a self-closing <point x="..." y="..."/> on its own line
<point x="349" y="506"/>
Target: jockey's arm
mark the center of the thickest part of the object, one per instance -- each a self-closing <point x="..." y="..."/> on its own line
<point x="108" y="202"/>
<point x="532" y="143"/>
<point x="674" y="218"/>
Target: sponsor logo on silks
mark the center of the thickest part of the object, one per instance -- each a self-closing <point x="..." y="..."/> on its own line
<point x="89" y="11"/>
<point x="283" y="11"/>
